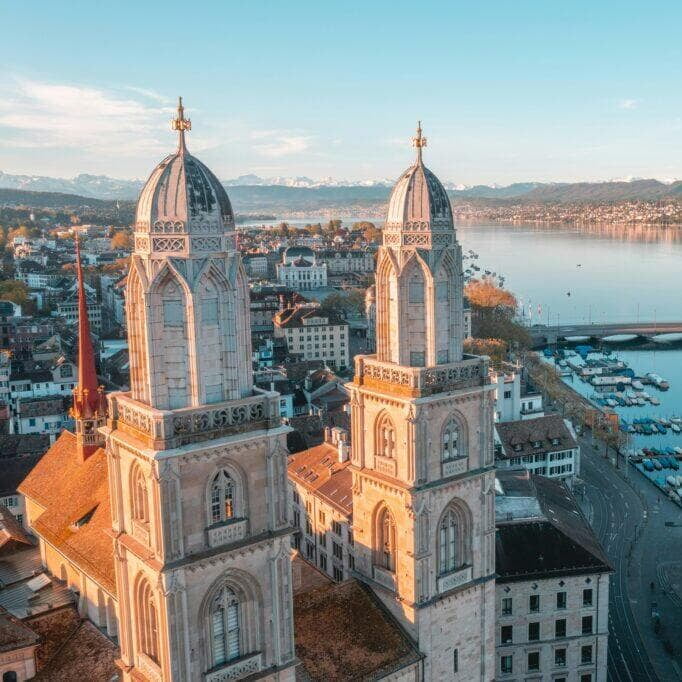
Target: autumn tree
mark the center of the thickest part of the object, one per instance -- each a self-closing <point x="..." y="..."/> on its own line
<point x="122" y="241"/>
<point x="345" y="303"/>
<point x="495" y="349"/>
<point x="369" y="231"/>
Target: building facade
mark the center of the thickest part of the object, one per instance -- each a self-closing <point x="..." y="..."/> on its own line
<point x="314" y="335"/>
<point x="197" y="457"/>
<point x="300" y="269"/>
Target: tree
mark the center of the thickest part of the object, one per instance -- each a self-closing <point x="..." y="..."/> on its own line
<point x="495" y="349"/>
<point x="16" y="291"/>
<point x="344" y="303"/>
<point x="369" y="231"/>
<point x="122" y="241"/>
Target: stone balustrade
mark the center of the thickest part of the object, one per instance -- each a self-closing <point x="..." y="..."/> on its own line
<point x="471" y="371"/>
<point x="451" y="580"/>
<point x="236" y="669"/>
<point x="384" y="577"/>
<point x="225" y="533"/>
<point x="452" y="467"/>
<point x="167" y="429"/>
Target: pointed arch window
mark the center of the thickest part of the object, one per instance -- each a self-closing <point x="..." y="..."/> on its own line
<point x="147" y="621"/>
<point x="223" y="497"/>
<point x="450" y="442"/>
<point x="447" y="542"/>
<point x="387" y="540"/>
<point x="140" y="498"/>
<point x="225" y="623"/>
<point x="385" y="438"/>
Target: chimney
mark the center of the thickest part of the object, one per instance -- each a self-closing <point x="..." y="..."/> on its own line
<point x="327" y="434"/>
<point x="343" y="449"/>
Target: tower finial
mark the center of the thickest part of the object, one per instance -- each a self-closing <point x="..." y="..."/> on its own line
<point x="180" y="123"/>
<point x="419" y="142"/>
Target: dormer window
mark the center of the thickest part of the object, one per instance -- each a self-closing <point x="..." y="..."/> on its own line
<point x="517" y="447"/>
<point x="536" y="443"/>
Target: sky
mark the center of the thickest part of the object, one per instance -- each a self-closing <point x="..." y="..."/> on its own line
<point x="508" y="91"/>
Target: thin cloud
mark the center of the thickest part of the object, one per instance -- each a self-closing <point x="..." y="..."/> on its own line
<point x="628" y="104"/>
<point x="53" y="115"/>
<point x="276" y="144"/>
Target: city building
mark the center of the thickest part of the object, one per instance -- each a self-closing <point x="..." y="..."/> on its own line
<point x="313" y="334"/>
<point x="299" y="269"/>
<point x="345" y="261"/>
<point x="511" y="403"/>
<point x="552" y="590"/>
<point x="544" y="445"/>
<point x="40" y="415"/>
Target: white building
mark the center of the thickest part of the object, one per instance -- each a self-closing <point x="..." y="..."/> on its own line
<point x="510" y="404"/>
<point x="314" y="335"/>
<point x="300" y="270"/>
<point x="546" y="446"/>
<point x="552" y="588"/>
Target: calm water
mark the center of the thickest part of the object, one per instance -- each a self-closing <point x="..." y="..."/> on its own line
<point x="613" y="274"/>
<point x="625" y="274"/>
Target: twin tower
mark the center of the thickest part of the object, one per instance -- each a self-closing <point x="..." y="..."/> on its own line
<point x="197" y="456"/>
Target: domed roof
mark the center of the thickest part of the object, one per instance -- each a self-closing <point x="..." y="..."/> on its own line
<point x="183" y="195"/>
<point x="419" y="200"/>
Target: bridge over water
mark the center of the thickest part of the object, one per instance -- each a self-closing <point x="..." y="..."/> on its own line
<point x="543" y="335"/>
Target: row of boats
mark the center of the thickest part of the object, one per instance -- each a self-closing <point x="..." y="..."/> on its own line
<point x="625" y="399"/>
<point x="649" y="426"/>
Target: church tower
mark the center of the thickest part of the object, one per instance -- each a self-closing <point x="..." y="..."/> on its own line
<point x="422" y="455"/>
<point x="196" y="454"/>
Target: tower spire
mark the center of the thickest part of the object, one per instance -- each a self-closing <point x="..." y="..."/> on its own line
<point x="180" y="123"/>
<point x="88" y="397"/>
<point x="419" y="142"/>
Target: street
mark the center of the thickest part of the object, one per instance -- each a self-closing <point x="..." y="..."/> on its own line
<point x="629" y="518"/>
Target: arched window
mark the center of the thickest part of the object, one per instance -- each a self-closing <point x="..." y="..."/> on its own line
<point x="9" y="676"/>
<point x="140" y="499"/>
<point x="450" y="442"/>
<point x="454" y="538"/>
<point x="225" y="645"/>
<point x="223" y="497"/>
<point x="385" y="437"/>
<point x="447" y="543"/>
<point x="386" y="540"/>
<point x="147" y="621"/>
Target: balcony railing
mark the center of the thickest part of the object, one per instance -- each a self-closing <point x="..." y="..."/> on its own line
<point x="167" y="429"/>
<point x="228" y="532"/>
<point x="471" y="371"/>
<point x="452" y="467"/>
<point x="451" y="580"/>
<point x="384" y="577"/>
<point x="235" y="670"/>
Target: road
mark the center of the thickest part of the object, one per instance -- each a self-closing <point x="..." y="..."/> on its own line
<point x="629" y="519"/>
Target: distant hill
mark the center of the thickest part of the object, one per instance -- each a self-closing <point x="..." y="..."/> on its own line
<point x="53" y="200"/>
<point x="594" y="192"/>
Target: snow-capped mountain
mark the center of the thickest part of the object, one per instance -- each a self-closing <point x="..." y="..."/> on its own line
<point x="94" y="186"/>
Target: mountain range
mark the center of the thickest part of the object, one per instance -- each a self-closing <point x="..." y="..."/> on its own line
<point x="281" y="194"/>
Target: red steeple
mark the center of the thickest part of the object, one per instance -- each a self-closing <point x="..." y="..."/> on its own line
<point x="88" y="397"/>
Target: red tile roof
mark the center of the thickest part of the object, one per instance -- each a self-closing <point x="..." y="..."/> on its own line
<point x="69" y="489"/>
<point x="318" y="470"/>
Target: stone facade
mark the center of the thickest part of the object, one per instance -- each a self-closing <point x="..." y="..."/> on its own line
<point x="422" y="443"/>
<point x="553" y="629"/>
<point x="196" y="455"/>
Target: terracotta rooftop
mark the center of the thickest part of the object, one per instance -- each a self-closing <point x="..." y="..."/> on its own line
<point x="344" y="633"/>
<point x="294" y="317"/>
<point x="14" y="634"/>
<point x="318" y="470"/>
<point x="13" y="470"/>
<point x="11" y="531"/>
<point x="75" y="496"/>
<point x="535" y="436"/>
<point x="72" y="649"/>
<point x="19" y="445"/>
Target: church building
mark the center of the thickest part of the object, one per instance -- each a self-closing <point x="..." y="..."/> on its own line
<point x="168" y="510"/>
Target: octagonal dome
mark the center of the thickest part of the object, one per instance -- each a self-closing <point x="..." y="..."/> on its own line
<point x="419" y="200"/>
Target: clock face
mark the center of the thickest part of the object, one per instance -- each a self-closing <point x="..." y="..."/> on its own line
<point x="87" y="427"/>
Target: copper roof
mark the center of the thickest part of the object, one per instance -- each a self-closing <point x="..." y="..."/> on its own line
<point x="70" y="490"/>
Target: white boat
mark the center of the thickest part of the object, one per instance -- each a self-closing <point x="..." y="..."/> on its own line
<point x="654" y="401"/>
<point x="676" y="420"/>
<point x="678" y="450"/>
<point x="675" y="428"/>
<point x="637" y="384"/>
<point x="640" y="401"/>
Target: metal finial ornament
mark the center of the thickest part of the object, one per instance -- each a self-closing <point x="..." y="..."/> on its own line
<point x="419" y="141"/>
<point x="180" y="123"/>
